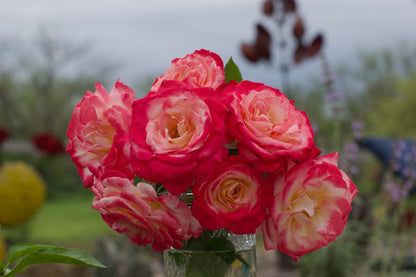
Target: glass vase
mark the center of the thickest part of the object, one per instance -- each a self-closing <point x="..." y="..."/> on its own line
<point x="214" y="253"/>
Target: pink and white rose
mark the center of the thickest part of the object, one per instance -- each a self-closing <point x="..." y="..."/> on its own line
<point x="267" y="126"/>
<point x="233" y="196"/>
<point x="201" y="68"/>
<point x="177" y="134"/>
<point x="98" y="132"/>
<point x="163" y="221"/>
<point x="310" y="206"/>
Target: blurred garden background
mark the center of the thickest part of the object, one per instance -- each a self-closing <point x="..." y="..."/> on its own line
<point x="351" y="65"/>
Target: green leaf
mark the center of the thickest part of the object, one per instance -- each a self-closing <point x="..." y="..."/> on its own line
<point x="51" y="254"/>
<point x="208" y="241"/>
<point x="219" y="244"/>
<point x="206" y="264"/>
<point x="19" y="250"/>
<point x="2" y="268"/>
<point x="193" y="244"/>
<point x="181" y="258"/>
<point x="232" y="72"/>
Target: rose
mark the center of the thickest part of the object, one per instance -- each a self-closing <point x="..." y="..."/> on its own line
<point x="99" y="132"/>
<point x="233" y="196"/>
<point x="163" y="221"/>
<point x="202" y="68"/>
<point x="267" y="126"/>
<point x="177" y="134"/>
<point x="47" y="143"/>
<point x="309" y="208"/>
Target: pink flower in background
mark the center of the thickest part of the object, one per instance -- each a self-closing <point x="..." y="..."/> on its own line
<point x="99" y="132"/>
<point x="202" y="68"/>
<point x="233" y="196"/>
<point x="48" y="143"/>
<point x="269" y="129"/>
<point x="310" y="206"/>
<point x="163" y="221"/>
<point x="177" y="134"/>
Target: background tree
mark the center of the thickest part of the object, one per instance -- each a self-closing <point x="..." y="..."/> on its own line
<point x="42" y="82"/>
<point x="395" y="115"/>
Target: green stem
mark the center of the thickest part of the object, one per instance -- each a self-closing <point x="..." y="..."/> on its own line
<point x="243" y="260"/>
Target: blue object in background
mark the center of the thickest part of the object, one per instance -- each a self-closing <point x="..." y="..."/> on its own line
<point x="396" y="154"/>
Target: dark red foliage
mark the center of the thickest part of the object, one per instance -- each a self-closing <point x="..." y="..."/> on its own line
<point x="304" y="49"/>
<point x="315" y="46"/>
<point x="289" y="5"/>
<point x="263" y="42"/>
<point x="261" y="47"/>
<point x="48" y="143"/>
<point x="303" y="52"/>
<point x="299" y="54"/>
<point x="249" y="52"/>
<point x="268" y="8"/>
<point x="298" y="29"/>
<point x="4" y="134"/>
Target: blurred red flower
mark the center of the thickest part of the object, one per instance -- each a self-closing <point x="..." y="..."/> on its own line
<point x="47" y="143"/>
<point x="4" y="134"/>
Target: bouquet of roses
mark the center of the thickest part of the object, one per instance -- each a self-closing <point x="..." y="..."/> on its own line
<point x="241" y="148"/>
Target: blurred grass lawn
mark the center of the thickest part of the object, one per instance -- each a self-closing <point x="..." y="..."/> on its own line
<point x="68" y="220"/>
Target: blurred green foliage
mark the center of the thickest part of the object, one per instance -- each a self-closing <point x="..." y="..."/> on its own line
<point x="41" y="83"/>
<point x="64" y="220"/>
<point x="380" y="91"/>
<point x="395" y="115"/>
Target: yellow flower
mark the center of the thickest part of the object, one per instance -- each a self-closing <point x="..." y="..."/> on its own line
<point x="22" y="192"/>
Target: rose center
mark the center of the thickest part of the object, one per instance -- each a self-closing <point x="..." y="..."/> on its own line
<point x="171" y="129"/>
<point x="173" y="133"/>
<point x="264" y="113"/>
<point x="232" y="192"/>
<point x="178" y="130"/>
<point x="176" y="124"/>
<point x="98" y="137"/>
<point x="303" y="203"/>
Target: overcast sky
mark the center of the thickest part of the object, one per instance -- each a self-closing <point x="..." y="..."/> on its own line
<point x="143" y="36"/>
